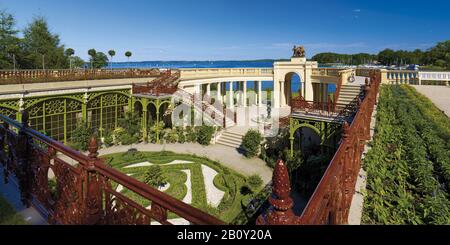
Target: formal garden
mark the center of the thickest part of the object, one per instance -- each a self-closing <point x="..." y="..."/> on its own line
<point x="195" y="180"/>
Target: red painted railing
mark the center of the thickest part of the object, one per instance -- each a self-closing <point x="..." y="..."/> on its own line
<point x="330" y="202"/>
<point x="164" y="85"/>
<point x="86" y="192"/>
<point x="37" y="76"/>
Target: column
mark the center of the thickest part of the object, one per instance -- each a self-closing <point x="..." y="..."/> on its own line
<point x="197" y="89"/>
<point x="219" y="92"/>
<point x="208" y="89"/>
<point x="230" y="96"/>
<point x="259" y="93"/>
<point x="282" y="95"/>
<point x="255" y="85"/>
<point x="244" y="93"/>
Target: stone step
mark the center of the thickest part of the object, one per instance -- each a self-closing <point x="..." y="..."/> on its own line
<point x="233" y="133"/>
<point x="351" y="90"/>
<point x="348" y="93"/>
<point x="228" y="144"/>
<point x="231" y="139"/>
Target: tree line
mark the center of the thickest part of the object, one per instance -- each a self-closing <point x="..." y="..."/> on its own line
<point x="38" y="48"/>
<point x="437" y="56"/>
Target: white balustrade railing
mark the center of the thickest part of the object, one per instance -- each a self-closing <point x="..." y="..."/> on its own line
<point x="434" y="76"/>
<point x="218" y="72"/>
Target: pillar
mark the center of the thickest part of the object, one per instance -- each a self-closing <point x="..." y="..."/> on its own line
<point x="219" y="92"/>
<point x="259" y="93"/>
<point x="282" y="94"/>
<point x="208" y="89"/>
<point x="231" y="96"/>
<point x="244" y="93"/>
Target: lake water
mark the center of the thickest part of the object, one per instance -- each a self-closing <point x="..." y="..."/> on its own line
<point x="212" y="64"/>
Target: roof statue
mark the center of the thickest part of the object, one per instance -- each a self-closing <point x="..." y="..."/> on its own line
<point x="298" y="51"/>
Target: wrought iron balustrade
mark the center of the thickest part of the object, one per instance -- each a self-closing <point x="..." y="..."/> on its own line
<point x="330" y="202"/>
<point x="37" y="76"/>
<point x="85" y="192"/>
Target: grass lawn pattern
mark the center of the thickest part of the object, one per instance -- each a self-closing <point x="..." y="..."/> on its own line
<point x="227" y="180"/>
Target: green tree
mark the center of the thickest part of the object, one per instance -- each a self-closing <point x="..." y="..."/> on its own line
<point x="92" y="52"/>
<point x="77" y="62"/>
<point x="251" y="142"/>
<point x="128" y="55"/>
<point x="99" y="60"/>
<point x="69" y="52"/>
<point x="111" y="54"/>
<point x="154" y="176"/>
<point x="440" y="54"/>
<point x="42" y="48"/>
<point x="9" y="42"/>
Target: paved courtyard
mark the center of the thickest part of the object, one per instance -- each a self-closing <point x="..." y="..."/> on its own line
<point x="439" y="95"/>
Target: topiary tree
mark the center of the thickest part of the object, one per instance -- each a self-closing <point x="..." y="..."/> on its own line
<point x="128" y="55"/>
<point x="111" y="54"/>
<point x="254" y="182"/>
<point x="154" y="176"/>
<point x="251" y="143"/>
<point x="92" y="52"/>
<point x="204" y="134"/>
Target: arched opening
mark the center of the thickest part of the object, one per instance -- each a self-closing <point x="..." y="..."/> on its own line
<point x="307" y="139"/>
<point x="151" y="114"/>
<point x="292" y="87"/>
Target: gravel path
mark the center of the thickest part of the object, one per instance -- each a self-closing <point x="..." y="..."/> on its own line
<point x="213" y="195"/>
<point x="439" y="95"/>
<point x="227" y="156"/>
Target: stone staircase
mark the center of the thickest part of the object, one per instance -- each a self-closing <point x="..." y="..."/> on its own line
<point x="347" y="94"/>
<point x="231" y="139"/>
<point x="187" y="98"/>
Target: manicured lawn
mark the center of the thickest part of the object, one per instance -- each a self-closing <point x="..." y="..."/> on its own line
<point x="8" y="216"/>
<point x="227" y="180"/>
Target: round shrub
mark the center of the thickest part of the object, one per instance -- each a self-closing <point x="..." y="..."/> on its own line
<point x="154" y="176"/>
<point x="251" y="142"/>
<point x="254" y="182"/>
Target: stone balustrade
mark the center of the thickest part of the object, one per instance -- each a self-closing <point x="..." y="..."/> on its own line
<point x="224" y="72"/>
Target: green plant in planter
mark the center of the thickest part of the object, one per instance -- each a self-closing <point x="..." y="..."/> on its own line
<point x="154" y="176"/>
<point x="80" y="137"/>
<point x="181" y="135"/>
<point x="108" y="139"/>
<point x="156" y="129"/>
<point x="122" y="136"/>
<point x="251" y="142"/>
<point x="130" y="122"/>
<point x="205" y="134"/>
<point x="253" y="183"/>
<point x="171" y="136"/>
<point x="191" y="135"/>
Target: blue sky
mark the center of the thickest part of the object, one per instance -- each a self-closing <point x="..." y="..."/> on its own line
<point x="237" y="29"/>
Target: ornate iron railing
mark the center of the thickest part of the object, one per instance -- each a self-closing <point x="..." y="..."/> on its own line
<point x="84" y="192"/>
<point x="165" y="84"/>
<point x="37" y="76"/>
<point x="330" y="202"/>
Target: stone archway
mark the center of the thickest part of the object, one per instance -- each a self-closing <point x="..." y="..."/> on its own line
<point x="292" y="87"/>
<point x="283" y="70"/>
